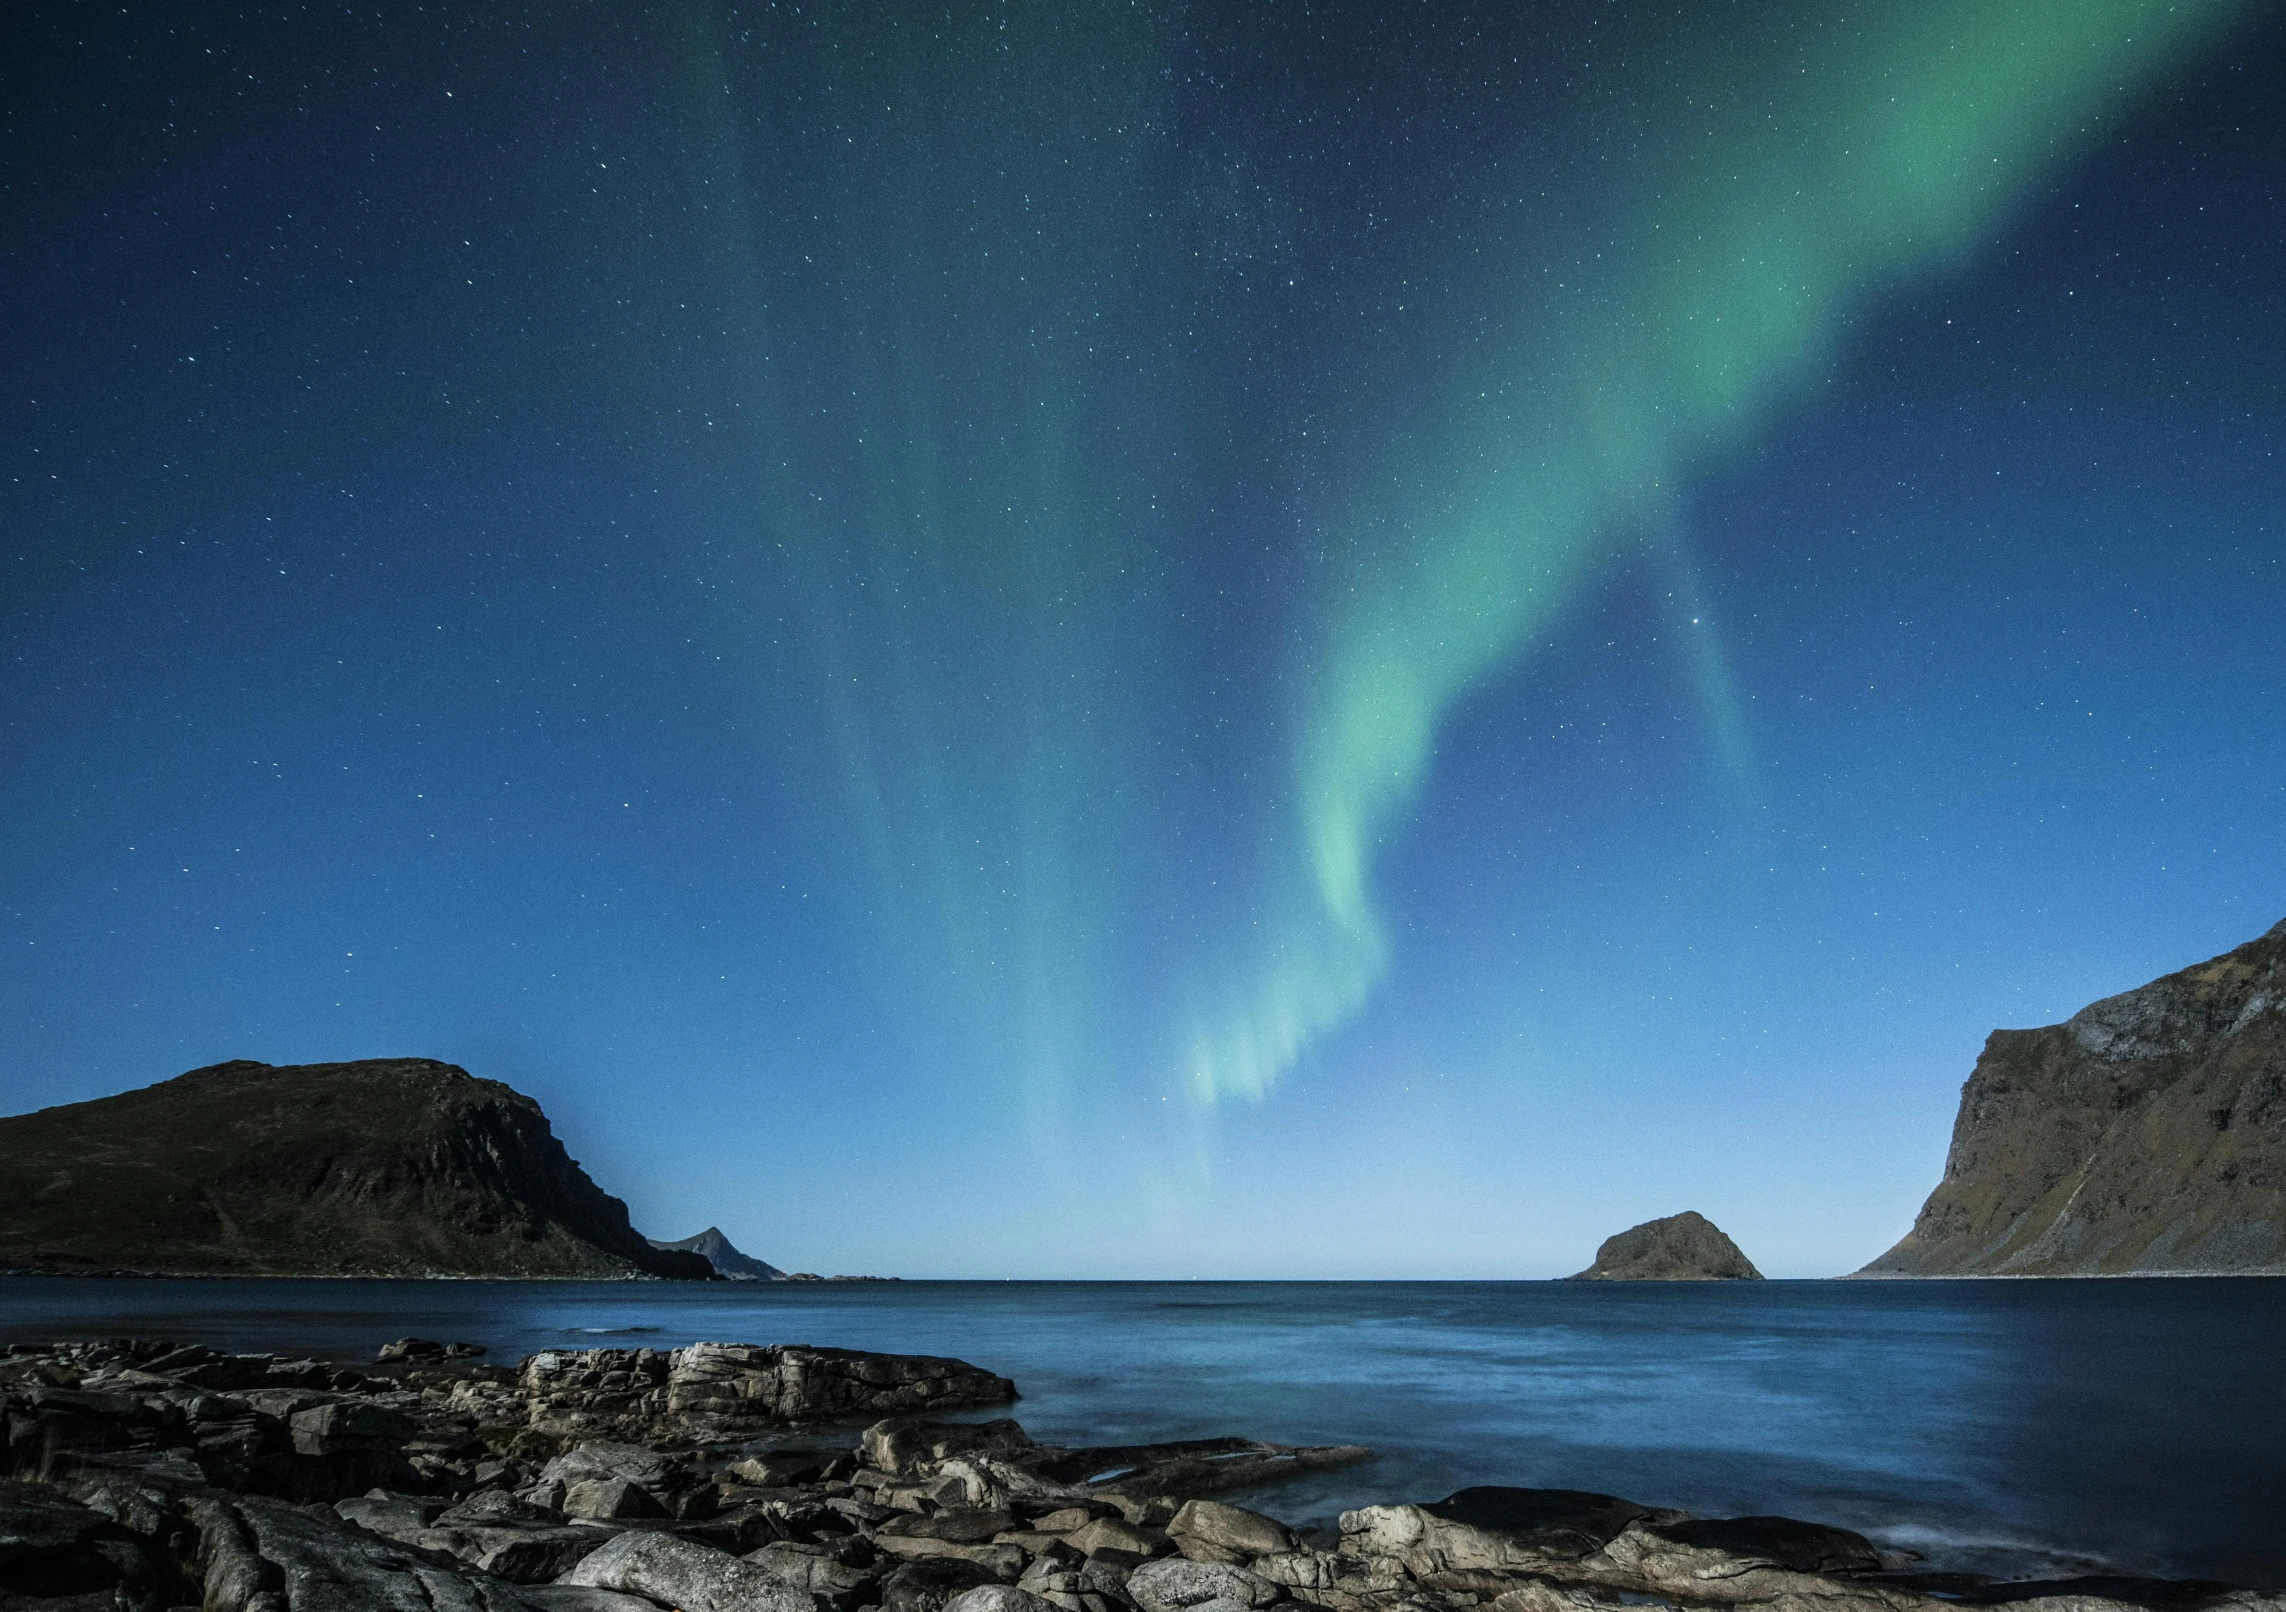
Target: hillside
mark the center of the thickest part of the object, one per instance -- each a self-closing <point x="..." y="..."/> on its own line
<point x="2145" y="1134"/>
<point x="388" y="1167"/>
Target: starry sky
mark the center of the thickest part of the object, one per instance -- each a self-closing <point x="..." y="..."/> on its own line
<point x="1093" y="639"/>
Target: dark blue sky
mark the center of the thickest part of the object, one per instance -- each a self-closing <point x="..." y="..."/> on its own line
<point x="1265" y="640"/>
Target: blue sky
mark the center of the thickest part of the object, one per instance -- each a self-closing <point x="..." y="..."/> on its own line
<point x="821" y="592"/>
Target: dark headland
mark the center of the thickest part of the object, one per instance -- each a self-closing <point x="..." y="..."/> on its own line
<point x="383" y="1167"/>
<point x="2145" y="1135"/>
<point x="738" y="1478"/>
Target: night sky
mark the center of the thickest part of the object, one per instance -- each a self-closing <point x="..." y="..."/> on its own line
<point x="1136" y="640"/>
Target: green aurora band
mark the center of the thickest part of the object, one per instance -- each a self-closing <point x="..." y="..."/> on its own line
<point x="1006" y="316"/>
<point x="1880" y="143"/>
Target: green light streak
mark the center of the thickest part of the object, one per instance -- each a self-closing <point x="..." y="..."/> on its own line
<point x="1780" y="201"/>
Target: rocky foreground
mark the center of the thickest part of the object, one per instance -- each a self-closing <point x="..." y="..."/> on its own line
<point x="711" y="1479"/>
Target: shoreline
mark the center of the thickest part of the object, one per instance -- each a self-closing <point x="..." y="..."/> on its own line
<point x="749" y="1478"/>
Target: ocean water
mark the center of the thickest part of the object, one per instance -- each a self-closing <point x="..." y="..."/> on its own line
<point x="2027" y="1428"/>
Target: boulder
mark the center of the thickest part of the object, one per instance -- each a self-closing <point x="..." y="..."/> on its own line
<point x="683" y="1573"/>
<point x="1179" y="1584"/>
<point x="609" y="1499"/>
<point x="998" y="1598"/>
<point x="1207" y="1525"/>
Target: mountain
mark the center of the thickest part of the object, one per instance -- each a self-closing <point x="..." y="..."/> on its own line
<point x="713" y="1247"/>
<point x="385" y="1167"/>
<point x="2145" y="1134"/>
<point x="1681" y="1248"/>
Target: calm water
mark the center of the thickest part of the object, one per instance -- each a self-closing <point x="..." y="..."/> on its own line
<point x="2012" y="1426"/>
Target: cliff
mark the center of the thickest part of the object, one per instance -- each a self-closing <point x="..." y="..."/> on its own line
<point x="2146" y="1134"/>
<point x="386" y="1167"/>
<point x="1680" y="1248"/>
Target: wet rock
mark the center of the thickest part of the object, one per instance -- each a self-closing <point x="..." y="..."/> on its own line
<point x="1796" y="1547"/>
<point x="1490" y="1529"/>
<point x="682" y="1573"/>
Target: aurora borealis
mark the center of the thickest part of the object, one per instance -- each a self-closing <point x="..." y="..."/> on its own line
<point x="1134" y="640"/>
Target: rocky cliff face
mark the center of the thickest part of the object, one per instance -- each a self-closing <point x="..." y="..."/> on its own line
<point x="1680" y="1248"/>
<point x="390" y="1166"/>
<point x="2145" y="1134"/>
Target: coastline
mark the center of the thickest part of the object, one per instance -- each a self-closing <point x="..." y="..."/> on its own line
<point x="730" y="1477"/>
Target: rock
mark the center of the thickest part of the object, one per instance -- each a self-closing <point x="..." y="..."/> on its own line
<point x="56" y="1552"/>
<point x="386" y="1167"/>
<point x="1178" y="1584"/>
<point x="813" y="1570"/>
<point x="349" y="1425"/>
<point x="257" y="1555"/>
<point x="1114" y="1534"/>
<point x="393" y="1516"/>
<point x="2144" y="1135"/>
<point x="792" y="1382"/>
<point x="900" y="1444"/>
<point x="605" y="1499"/>
<point x="418" y="1349"/>
<point x="927" y="1584"/>
<point x="1680" y="1248"/>
<point x="609" y="1459"/>
<point x="579" y="1598"/>
<point x="959" y="1525"/>
<point x="1490" y="1529"/>
<point x="1003" y="1562"/>
<point x="1206" y="1523"/>
<point x="682" y="1573"/>
<point x="1798" y="1547"/>
<point x="713" y="1247"/>
<point x="1737" y="1559"/>
<point x="998" y="1598"/>
<point x="774" y="1468"/>
<point x="1092" y="1586"/>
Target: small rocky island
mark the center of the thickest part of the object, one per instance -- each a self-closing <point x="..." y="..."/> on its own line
<point x="381" y="1167"/>
<point x="741" y="1478"/>
<point x="1680" y="1248"/>
<point x="2145" y="1135"/>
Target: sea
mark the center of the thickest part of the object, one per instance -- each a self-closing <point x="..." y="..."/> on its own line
<point x="2024" y="1428"/>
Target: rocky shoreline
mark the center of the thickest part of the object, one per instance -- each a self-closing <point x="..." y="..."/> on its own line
<point x="744" y="1478"/>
